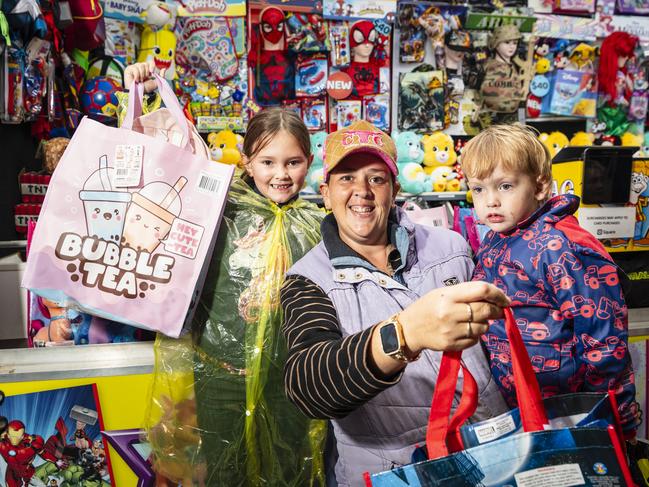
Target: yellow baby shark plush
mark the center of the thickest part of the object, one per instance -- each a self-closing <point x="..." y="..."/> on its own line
<point x="159" y="45"/>
<point x="555" y="141"/>
<point x="438" y="151"/>
<point x="224" y="147"/>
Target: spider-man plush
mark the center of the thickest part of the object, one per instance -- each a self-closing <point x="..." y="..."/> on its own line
<point x="271" y="60"/>
<point x="364" y="68"/>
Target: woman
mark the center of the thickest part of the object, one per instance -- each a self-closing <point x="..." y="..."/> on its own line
<point x="374" y="296"/>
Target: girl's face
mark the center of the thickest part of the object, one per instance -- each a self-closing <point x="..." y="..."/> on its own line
<point x="279" y="168"/>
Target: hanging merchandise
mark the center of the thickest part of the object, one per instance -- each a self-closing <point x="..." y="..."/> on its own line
<point x="507" y="76"/>
<point x="359" y="9"/>
<point x="271" y="61"/>
<point x="364" y="67"/>
<point x="376" y="110"/>
<point x="307" y="33"/>
<point x="311" y="75"/>
<point x="314" y="114"/>
<point x="24" y="20"/>
<point x="107" y="66"/>
<point x="206" y="49"/>
<point x="421" y="100"/>
<point x="159" y="14"/>
<point x="126" y="10"/>
<point x="339" y="40"/>
<point x="348" y="112"/>
<point x="159" y="46"/>
<point x="637" y="7"/>
<point x="12" y="72"/>
<point x="87" y="30"/>
<point x="573" y="6"/>
<point x="99" y="100"/>
<point x="412" y="36"/>
<point x="122" y="39"/>
<point x="219" y="8"/>
<point x="140" y="217"/>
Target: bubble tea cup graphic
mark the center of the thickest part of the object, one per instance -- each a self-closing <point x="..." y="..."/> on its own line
<point x="151" y="214"/>
<point x="104" y="206"/>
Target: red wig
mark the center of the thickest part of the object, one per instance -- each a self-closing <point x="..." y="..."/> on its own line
<point x="618" y="44"/>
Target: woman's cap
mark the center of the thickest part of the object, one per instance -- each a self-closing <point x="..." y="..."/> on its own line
<point x="359" y="137"/>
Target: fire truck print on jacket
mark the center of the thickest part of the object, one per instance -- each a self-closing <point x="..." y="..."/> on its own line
<point x="568" y="303"/>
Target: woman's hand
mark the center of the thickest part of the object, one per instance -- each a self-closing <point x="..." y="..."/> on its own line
<point x="142" y="73"/>
<point x="440" y="319"/>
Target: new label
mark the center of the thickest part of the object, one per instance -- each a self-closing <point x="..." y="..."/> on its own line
<point x="339" y="85"/>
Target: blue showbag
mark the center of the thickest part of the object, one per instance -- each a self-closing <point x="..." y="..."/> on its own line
<point x="588" y="454"/>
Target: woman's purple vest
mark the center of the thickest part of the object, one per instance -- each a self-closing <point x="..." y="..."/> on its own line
<point x="384" y="431"/>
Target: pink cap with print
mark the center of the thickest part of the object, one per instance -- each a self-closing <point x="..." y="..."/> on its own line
<point x="359" y="137"/>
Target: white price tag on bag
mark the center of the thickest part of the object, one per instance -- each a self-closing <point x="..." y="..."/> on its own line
<point x="128" y="165"/>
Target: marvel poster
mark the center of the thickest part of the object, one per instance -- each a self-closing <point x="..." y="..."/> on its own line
<point x="53" y="439"/>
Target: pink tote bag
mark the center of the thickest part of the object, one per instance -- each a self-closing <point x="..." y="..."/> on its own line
<point x="129" y="223"/>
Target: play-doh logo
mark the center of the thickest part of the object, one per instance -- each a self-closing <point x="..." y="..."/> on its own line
<point x="124" y="229"/>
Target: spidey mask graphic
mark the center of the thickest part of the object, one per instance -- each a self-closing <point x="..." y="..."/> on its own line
<point x="362" y="32"/>
<point x="271" y="24"/>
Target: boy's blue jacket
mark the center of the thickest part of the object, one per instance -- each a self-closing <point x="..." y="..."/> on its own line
<point x="568" y="303"/>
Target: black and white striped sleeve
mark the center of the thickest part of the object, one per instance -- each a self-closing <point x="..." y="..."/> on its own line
<point x="326" y="376"/>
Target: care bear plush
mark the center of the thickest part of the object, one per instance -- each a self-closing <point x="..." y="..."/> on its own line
<point x="439" y="150"/>
<point x="225" y="147"/>
<point x="410" y="155"/>
<point x="315" y="176"/>
<point x="439" y="159"/>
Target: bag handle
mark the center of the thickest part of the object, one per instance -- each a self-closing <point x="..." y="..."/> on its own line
<point x="134" y="110"/>
<point x="443" y="435"/>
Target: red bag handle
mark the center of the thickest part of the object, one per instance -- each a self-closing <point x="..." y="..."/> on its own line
<point x="443" y="435"/>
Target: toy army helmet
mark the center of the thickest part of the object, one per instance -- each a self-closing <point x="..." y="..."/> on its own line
<point x="504" y="33"/>
<point x="458" y="40"/>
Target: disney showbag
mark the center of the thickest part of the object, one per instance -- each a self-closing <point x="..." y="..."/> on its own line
<point x="129" y="222"/>
<point x="589" y="455"/>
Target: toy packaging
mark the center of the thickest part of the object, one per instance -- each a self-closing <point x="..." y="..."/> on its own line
<point x="314" y="114"/>
<point x="310" y="76"/>
<point x="130" y="221"/>
<point x="376" y="110"/>
<point x="58" y="435"/>
<point x="349" y="111"/>
<point x="421" y="101"/>
<point x="574" y="94"/>
<point x="354" y="9"/>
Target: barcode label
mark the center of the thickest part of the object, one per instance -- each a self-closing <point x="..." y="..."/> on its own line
<point x="128" y="165"/>
<point x="208" y="183"/>
<point x="437" y="222"/>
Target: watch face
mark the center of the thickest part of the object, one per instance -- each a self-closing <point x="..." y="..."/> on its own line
<point x="389" y="339"/>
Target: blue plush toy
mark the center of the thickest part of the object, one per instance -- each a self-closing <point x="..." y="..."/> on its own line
<point x="315" y="176"/>
<point x="410" y="155"/>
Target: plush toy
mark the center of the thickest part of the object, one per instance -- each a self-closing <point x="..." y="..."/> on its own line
<point x="159" y="45"/>
<point x="410" y="155"/>
<point x="315" y="176"/>
<point x="159" y="15"/>
<point x="413" y="179"/>
<point x="225" y="147"/>
<point x="543" y="65"/>
<point x="629" y="139"/>
<point x="555" y="141"/>
<point x="52" y="151"/>
<point x="444" y="178"/>
<point x="438" y="151"/>
<point x="582" y="139"/>
<point x="583" y="56"/>
<point x="408" y="147"/>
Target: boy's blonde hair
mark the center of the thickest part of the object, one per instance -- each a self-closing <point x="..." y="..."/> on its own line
<point x="513" y="147"/>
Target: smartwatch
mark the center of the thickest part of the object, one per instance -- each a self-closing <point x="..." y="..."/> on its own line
<point x="393" y="342"/>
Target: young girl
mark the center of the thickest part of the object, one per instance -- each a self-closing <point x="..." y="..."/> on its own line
<point x="250" y="433"/>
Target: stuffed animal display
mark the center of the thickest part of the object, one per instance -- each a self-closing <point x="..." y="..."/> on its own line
<point x="315" y="176"/>
<point x="225" y="147"/>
